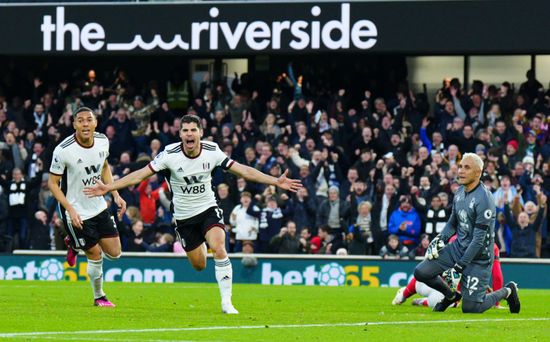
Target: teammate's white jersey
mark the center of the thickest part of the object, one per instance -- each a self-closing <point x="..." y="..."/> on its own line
<point x="79" y="167"/>
<point x="190" y="179"/>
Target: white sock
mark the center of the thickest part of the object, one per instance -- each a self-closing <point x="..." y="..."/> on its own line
<point x="224" y="276"/>
<point x="95" y="272"/>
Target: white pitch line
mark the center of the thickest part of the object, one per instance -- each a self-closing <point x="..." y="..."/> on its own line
<point x="59" y="338"/>
<point x="265" y="326"/>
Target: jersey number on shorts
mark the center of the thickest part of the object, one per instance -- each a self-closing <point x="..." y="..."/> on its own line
<point x="471" y="283"/>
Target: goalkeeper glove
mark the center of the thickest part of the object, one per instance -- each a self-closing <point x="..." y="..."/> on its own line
<point x="453" y="275"/>
<point x="437" y="244"/>
<point x="452" y="278"/>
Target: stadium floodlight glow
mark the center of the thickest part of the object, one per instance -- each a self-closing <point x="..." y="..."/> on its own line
<point x="256" y="35"/>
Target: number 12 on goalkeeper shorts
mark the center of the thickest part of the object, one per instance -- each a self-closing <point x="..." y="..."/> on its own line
<point x="471" y="284"/>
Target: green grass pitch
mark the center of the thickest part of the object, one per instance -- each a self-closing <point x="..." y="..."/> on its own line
<point x="63" y="311"/>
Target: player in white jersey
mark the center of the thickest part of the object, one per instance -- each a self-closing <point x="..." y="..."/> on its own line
<point x="78" y="161"/>
<point x="188" y="166"/>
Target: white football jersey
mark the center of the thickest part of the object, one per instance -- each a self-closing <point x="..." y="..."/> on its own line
<point x="190" y="179"/>
<point x="80" y="167"/>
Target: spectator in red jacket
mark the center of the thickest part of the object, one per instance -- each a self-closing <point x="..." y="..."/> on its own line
<point x="148" y="201"/>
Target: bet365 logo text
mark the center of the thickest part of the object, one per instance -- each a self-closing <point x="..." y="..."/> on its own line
<point x="52" y="269"/>
<point x="330" y="274"/>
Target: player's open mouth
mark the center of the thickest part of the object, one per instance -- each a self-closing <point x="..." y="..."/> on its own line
<point x="189" y="143"/>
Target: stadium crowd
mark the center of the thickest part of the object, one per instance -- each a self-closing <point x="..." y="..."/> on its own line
<point x="379" y="173"/>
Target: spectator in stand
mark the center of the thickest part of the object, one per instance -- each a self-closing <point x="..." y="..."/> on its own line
<point x="304" y="209"/>
<point x="405" y="223"/>
<point x="148" y="200"/>
<point x="360" y="236"/>
<point x="383" y="207"/>
<point x="270" y="223"/>
<point x="334" y="212"/>
<point x="244" y="226"/>
<point x="434" y="217"/>
<point x="420" y="250"/>
<point x="393" y="249"/>
<point x="305" y="241"/>
<point x="287" y="241"/>
<point x="162" y="244"/>
<point x="123" y="127"/>
<point x="17" y="191"/>
<point x="134" y="235"/>
<point x="327" y="134"/>
<point x="523" y="232"/>
<point x="505" y="193"/>
<point x="267" y="159"/>
<point x="40" y="232"/>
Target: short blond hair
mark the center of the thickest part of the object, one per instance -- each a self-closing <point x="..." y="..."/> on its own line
<point x="476" y="159"/>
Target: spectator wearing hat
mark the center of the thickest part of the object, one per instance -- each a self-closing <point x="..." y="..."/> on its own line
<point x="532" y="148"/>
<point x="511" y="156"/>
<point x="405" y="223"/>
<point x="480" y="151"/>
<point x="526" y="179"/>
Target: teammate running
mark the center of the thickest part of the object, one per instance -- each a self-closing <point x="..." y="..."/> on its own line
<point x="188" y="166"/>
<point x="78" y="161"/>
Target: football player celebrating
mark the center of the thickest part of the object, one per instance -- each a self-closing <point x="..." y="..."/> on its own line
<point x="188" y="166"/>
<point x="80" y="160"/>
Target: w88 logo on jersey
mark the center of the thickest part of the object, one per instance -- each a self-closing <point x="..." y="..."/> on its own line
<point x="194" y="189"/>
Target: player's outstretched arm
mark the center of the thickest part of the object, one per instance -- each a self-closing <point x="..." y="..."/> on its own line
<point x="100" y="188"/>
<point x="254" y="175"/>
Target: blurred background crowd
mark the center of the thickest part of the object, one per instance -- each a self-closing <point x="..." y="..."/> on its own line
<point x="379" y="167"/>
